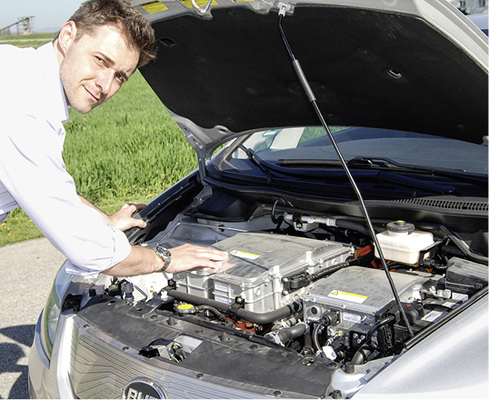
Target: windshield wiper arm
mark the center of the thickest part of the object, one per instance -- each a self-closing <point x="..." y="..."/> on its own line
<point x="383" y="162"/>
<point x="387" y="164"/>
<point x="309" y="162"/>
<point x="382" y="173"/>
<point x="257" y="161"/>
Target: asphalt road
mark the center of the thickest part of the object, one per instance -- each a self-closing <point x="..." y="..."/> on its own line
<point x="27" y="270"/>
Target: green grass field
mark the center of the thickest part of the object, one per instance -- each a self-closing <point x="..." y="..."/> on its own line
<point x="34" y="40"/>
<point x="126" y="150"/>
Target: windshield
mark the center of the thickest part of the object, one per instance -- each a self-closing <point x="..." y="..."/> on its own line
<point x="311" y="147"/>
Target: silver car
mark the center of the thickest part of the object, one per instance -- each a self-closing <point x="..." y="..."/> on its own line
<point x="342" y="151"/>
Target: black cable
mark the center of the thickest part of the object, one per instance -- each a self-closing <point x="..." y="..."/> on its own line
<point x="315" y="335"/>
<point x="312" y="99"/>
<point x="214" y="310"/>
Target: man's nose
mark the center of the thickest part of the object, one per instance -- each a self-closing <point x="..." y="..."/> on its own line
<point x="105" y="80"/>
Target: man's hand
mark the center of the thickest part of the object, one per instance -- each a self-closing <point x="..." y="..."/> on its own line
<point x="123" y="219"/>
<point x="188" y="256"/>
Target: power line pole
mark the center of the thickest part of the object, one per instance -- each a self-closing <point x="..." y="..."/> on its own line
<point x="23" y="24"/>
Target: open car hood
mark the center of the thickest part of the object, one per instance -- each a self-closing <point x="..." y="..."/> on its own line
<point x="409" y="65"/>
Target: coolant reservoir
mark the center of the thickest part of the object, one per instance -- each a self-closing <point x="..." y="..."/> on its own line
<point x="402" y="243"/>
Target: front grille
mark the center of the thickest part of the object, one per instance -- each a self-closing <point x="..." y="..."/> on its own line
<point x="101" y="367"/>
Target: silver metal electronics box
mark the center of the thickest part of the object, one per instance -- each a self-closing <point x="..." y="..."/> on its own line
<point x="257" y="264"/>
<point x="359" y="294"/>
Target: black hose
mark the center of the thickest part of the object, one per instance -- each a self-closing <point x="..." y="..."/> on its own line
<point x="354" y="226"/>
<point x="214" y="310"/>
<point x="292" y="332"/>
<point x="240" y="313"/>
<point x="361" y="355"/>
<point x="364" y="260"/>
<point x="329" y="270"/>
<point x="466" y="251"/>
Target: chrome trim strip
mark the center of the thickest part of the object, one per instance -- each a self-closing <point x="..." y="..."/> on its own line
<point x="62" y="348"/>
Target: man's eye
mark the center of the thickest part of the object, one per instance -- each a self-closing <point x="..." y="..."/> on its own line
<point x="120" y="78"/>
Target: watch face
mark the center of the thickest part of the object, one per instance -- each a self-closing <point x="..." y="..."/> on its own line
<point x="165" y="255"/>
<point x="163" y="251"/>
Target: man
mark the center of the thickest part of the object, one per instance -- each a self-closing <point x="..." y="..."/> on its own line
<point x="95" y="52"/>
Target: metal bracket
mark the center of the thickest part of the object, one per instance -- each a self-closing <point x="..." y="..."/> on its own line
<point x="236" y="306"/>
<point x="201" y="10"/>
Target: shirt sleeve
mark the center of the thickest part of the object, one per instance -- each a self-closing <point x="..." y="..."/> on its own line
<point x="33" y="171"/>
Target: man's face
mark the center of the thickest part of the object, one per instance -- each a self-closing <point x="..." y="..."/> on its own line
<point x="95" y="66"/>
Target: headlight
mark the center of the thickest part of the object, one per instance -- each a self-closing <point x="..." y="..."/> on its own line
<point x="49" y="322"/>
<point x="52" y="310"/>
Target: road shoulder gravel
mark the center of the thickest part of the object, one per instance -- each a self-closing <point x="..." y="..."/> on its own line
<point x="27" y="271"/>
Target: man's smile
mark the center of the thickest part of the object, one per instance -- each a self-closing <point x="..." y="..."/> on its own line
<point x="91" y="94"/>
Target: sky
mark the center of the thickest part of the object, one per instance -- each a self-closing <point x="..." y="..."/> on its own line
<point x="49" y="15"/>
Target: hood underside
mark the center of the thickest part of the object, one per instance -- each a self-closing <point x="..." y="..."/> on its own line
<point x="228" y="68"/>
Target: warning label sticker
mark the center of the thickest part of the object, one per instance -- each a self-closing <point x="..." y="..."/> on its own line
<point x="154" y="7"/>
<point x="244" y="254"/>
<point x="354" y="298"/>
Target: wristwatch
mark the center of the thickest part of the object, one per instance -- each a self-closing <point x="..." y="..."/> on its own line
<point x="165" y="255"/>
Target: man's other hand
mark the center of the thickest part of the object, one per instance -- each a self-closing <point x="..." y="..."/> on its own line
<point x="123" y="219"/>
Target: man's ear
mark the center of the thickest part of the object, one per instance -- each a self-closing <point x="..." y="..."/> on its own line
<point x="67" y="36"/>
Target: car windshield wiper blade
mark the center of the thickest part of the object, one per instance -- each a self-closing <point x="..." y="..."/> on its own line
<point x="381" y="174"/>
<point x="257" y="161"/>
<point x="380" y="163"/>
<point x="309" y="163"/>
<point x="386" y="164"/>
<point x="283" y="169"/>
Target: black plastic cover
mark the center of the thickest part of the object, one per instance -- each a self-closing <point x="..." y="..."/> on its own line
<point x="366" y="68"/>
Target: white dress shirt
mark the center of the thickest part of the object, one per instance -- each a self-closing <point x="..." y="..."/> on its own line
<point x="33" y="175"/>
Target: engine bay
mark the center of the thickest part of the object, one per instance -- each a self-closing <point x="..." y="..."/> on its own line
<point x="300" y="283"/>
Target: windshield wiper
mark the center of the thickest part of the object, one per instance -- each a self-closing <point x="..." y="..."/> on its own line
<point x="310" y="162"/>
<point x="257" y="161"/>
<point x="380" y="168"/>
<point x="392" y="170"/>
<point x="387" y="163"/>
<point x="380" y="163"/>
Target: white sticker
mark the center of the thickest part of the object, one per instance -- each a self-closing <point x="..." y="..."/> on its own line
<point x="354" y="298"/>
<point x="459" y="296"/>
<point x="355" y="318"/>
<point x="449" y="304"/>
<point x="222" y="299"/>
<point x="221" y="287"/>
<point x="432" y="316"/>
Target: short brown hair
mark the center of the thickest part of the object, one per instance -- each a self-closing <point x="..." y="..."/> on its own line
<point x="137" y="29"/>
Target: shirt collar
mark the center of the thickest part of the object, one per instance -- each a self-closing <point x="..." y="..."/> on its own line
<point x="54" y="87"/>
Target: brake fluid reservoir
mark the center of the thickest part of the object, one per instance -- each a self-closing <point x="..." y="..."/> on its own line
<point x="402" y="243"/>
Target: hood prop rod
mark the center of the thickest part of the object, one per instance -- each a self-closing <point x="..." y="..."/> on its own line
<point x="312" y="99"/>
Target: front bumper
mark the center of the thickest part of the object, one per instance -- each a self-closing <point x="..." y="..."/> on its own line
<point x="86" y="363"/>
